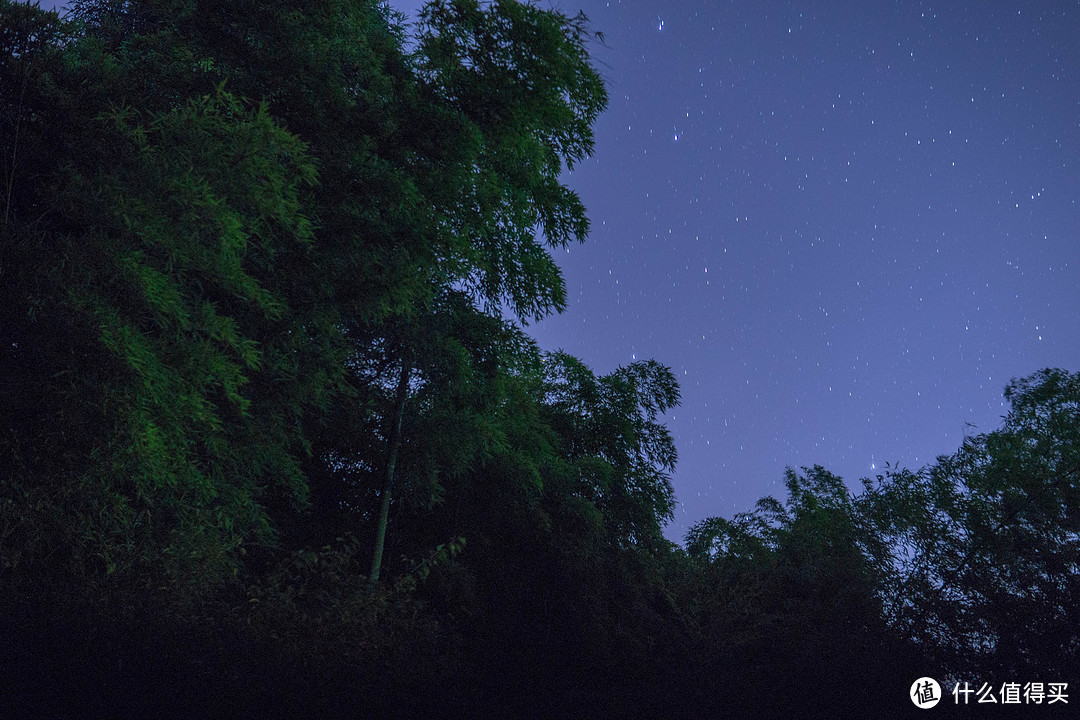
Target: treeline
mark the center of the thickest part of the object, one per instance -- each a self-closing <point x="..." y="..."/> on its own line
<point x="275" y="442"/>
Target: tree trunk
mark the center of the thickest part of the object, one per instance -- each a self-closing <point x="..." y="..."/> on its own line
<point x="391" y="461"/>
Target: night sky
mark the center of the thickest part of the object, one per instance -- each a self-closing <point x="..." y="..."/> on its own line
<point x="844" y="226"/>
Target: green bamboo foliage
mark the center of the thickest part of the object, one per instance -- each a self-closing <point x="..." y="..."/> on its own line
<point x="191" y="221"/>
<point x="150" y="338"/>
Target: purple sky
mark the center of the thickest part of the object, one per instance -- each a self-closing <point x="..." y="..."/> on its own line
<point x="845" y="226"/>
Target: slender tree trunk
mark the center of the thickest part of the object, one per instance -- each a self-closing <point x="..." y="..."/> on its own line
<point x="391" y="461"/>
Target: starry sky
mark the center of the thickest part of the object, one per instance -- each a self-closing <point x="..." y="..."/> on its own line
<point x="845" y="226"/>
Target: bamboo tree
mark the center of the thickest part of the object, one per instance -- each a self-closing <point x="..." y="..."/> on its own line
<point x="391" y="464"/>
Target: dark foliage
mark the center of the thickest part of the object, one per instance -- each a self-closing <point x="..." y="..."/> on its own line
<point x="274" y="441"/>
